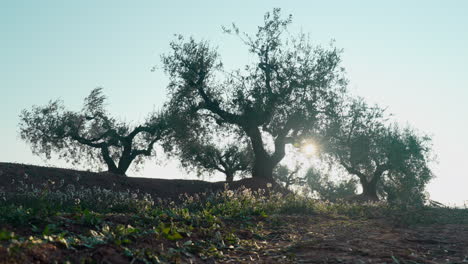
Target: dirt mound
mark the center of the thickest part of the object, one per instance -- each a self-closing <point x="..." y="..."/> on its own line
<point x="12" y="174"/>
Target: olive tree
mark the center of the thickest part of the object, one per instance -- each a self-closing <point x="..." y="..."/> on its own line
<point x="207" y="149"/>
<point x="410" y="155"/>
<point x="288" y="176"/>
<point x="278" y="98"/>
<point x="367" y="146"/>
<point x="320" y="183"/>
<point x="209" y="158"/>
<point x="90" y="136"/>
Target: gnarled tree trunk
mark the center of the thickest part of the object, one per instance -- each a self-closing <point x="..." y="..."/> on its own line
<point x="369" y="189"/>
<point x="123" y="165"/>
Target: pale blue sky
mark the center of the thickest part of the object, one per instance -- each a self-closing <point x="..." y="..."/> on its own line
<point x="408" y="56"/>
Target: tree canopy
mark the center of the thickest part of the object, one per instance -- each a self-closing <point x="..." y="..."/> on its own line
<point x="278" y="98"/>
<point x="207" y="148"/>
<point x="363" y="141"/>
<point x="320" y="184"/>
<point x="90" y="136"/>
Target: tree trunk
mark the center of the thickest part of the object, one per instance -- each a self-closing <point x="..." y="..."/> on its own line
<point x="263" y="168"/>
<point x="111" y="167"/>
<point x="229" y="176"/>
<point x="263" y="165"/>
<point x="117" y="171"/>
<point x="369" y="189"/>
<point x="124" y="164"/>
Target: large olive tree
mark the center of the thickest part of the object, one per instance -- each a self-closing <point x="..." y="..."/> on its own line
<point x="278" y="98"/>
<point x="90" y="136"/>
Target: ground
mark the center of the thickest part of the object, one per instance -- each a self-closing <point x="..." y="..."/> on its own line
<point x="285" y="236"/>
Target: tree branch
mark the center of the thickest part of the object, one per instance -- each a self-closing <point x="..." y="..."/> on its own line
<point x="148" y="150"/>
<point x="107" y="158"/>
<point x="353" y="170"/>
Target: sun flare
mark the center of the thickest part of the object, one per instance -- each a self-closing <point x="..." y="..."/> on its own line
<point x="309" y="149"/>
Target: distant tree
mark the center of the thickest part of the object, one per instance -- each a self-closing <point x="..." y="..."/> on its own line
<point x="320" y="184"/>
<point x="207" y="149"/>
<point x="287" y="91"/>
<point x="288" y="176"/>
<point x="362" y="142"/>
<point x="229" y="160"/>
<point x="90" y="136"/>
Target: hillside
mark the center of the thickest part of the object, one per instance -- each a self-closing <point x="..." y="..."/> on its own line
<point x="52" y="215"/>
<point x="12" y="174"/>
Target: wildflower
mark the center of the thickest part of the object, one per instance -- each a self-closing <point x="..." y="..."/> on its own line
<point x="229" y="193"/>
<point x="247" y="192"/>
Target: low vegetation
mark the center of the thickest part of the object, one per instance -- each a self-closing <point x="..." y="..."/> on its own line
<point x="94" y="225"/>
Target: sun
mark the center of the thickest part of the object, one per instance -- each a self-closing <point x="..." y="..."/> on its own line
<point x="309" y="149"/>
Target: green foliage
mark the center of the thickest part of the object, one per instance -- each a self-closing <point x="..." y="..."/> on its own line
<point x="320" y="184"/>
<point x="90" y="137"/>
<point x="16" y="215"/>
<point x="281" y="97"/>
<point x="206" y="150"/>
<point x="88" y="218"/>
<point x="169" y="232"/>
<point x="405" y="182"/>
<point x="382" y="155"/>
<point x="29" y="204"/>
<point x="288" y="177"/>
<point x="6" y="235"/>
